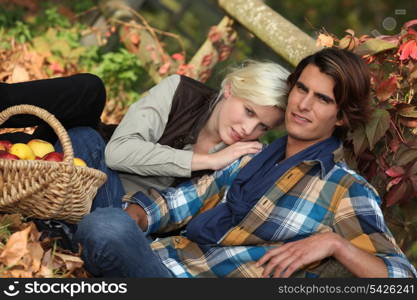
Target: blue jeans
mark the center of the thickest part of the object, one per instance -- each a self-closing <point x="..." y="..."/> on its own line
<point x="89" y="146"/>
<point x="114" y="246"/>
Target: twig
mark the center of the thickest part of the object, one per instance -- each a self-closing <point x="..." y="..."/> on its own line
<point x="149" y="28"/>
<point x="138" y="26"/>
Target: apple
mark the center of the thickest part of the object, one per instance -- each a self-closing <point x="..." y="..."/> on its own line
<point x="53" y="156"/>
<point x="40" y="147"/>
<point x="2" y="148"/>
<point x="6" y="144"/>
<point x="79" y="162"/>
<point x="7" y="155"/>
<point x="22" y="151"/>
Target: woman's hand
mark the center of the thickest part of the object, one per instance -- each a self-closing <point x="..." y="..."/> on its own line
<point x="225" y="157"/>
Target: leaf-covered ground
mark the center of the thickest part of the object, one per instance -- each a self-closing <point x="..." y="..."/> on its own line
<point x="22" y="254"/>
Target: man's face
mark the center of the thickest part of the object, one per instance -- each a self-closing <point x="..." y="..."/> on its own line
<point x="311" y="114"/>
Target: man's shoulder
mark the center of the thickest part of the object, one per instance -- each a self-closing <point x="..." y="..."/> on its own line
<point x="354" y="182"/>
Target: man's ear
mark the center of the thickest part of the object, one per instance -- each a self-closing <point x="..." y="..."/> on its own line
<point x="340" y="122"/>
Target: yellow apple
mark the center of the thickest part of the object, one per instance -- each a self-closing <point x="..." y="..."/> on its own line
<point x="40" y="147"/>
<point x="22" y="151"/>
<point x="79" y="162"/>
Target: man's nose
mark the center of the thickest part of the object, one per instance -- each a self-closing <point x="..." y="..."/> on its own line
<point x="306" y="102"/>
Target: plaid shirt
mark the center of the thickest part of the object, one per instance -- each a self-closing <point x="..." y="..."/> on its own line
<point x="304" y="201"/>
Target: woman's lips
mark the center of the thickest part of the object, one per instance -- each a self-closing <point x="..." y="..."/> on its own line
<point x="235" y="136"/>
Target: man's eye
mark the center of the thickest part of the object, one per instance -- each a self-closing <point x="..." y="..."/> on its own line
<point x="324" y="99"/>
<point x="301" y="88"/>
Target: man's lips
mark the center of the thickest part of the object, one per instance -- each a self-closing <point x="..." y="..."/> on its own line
<point x="300" y="119"/>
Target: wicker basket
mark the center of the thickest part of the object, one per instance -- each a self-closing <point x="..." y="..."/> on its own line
<point x="47" y="189"/>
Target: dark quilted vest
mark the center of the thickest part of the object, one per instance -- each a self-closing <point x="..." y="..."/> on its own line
<point x="189" y="112"/>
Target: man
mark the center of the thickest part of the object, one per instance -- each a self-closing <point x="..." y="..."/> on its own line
<point x="295" y="209"/>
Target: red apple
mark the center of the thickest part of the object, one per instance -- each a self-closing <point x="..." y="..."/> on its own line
<point x="7" y="144"/>
<point x="54" y="156"/>
<point x="7" y="155"/>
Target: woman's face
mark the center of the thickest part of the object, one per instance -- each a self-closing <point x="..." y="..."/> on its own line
<point x="242" y="120"/>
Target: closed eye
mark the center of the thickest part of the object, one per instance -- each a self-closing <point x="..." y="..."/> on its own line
<point x="249" y="112"/>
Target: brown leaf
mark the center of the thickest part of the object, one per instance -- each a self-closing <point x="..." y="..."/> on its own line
<point x="19" y="74"/>
<point x="408" y="122"/>
<point x="46" y="269"/>
<point x="17" y="273"/>
<point x="71" y="262"/>
<point x="15" y="248"/>
<point x="407" y="110"/>
<point x="36" y="252"/>
<point x="324" y="40"/>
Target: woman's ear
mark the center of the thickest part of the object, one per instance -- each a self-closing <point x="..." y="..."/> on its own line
<point x="227" y="91"/>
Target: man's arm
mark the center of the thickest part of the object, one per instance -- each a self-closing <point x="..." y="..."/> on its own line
<point x="174" y="207"/>
<point x="285" y="260"/>
<point x="361" y="242"/>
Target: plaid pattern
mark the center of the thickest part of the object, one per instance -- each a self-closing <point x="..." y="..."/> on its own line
<point x="304" y="201"/>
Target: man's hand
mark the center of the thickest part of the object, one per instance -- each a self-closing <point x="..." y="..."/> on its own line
<point x="138" y="214"/>
<point x="283" y="261"/>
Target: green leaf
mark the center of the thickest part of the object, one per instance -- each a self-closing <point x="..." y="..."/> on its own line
<point x="62" y="47"/>
<point x="377" y="127"/>
<point x="407" y="110"/>
<point x="360" y="142"/>
<point x="406" y="157"/>
<point x="373" y="46"/>
<point x="41" y="45"/>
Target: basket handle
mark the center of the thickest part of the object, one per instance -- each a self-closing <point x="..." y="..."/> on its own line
<point x="48" y="118"/>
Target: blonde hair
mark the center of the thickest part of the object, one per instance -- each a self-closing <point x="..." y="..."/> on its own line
<point x="263" y="83"/>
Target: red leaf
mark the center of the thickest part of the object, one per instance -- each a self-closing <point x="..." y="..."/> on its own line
<point x="214" y="35"/>
<point x="396" y="194"/>
<point x="410" y="23"/>
<point x="164" y="68"/>
<point x="386" y="88"/>
<point x="207" y="59"/>
<point x="178" y="56"/>
<point x="408" y="49"/>
<point x="56" y="68"/>
<point x="135" y="38"/>
<point x="395" y="171"/>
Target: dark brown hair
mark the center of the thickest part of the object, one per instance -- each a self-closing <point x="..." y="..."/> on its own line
<point x="352" y="84"/>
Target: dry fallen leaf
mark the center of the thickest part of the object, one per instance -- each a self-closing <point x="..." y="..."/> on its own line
<point x="19" y="74"/>
<point x="15" y="248"/>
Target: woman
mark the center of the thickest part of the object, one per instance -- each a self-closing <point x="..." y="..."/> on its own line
<point x="181" y="128"/>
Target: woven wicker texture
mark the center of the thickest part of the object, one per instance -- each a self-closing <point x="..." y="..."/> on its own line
<point x="47" y="189"/>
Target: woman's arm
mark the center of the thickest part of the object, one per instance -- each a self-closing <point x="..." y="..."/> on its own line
<point x="133" y="147"/>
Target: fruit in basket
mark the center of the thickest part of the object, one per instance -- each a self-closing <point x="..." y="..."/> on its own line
<point x="22" y="151"/>
<point x="40" y="147"/>
<point x="54" y="156"/>
<point x="79" y="162"/>
<point x="6" y="144"/>
<point x="7" y="155"/>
